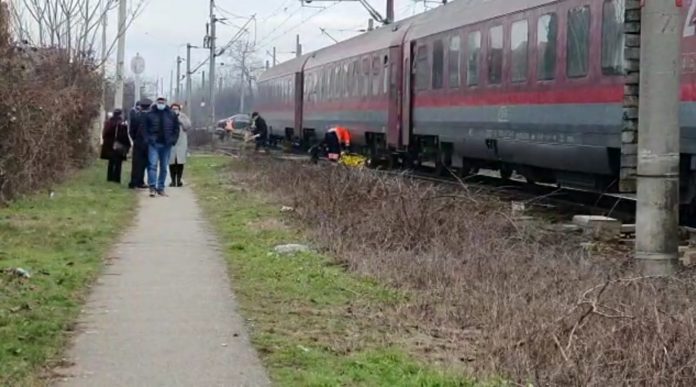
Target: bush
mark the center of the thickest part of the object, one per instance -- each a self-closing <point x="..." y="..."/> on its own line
<point x="48" y="104"/>
<point x="518" y="300"/>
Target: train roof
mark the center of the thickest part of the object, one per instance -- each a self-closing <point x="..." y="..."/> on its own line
<point x="465" y="12"/>
<point x="447" y="17"/>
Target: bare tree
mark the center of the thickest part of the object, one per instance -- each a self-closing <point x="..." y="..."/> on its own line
<point x="71" y="25"/>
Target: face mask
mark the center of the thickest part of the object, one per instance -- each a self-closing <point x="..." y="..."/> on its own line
<point x="161" y="106"/>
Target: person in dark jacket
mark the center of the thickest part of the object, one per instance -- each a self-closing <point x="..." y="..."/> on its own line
<point x="162" y="132"/>
<point x="260" y="130"/>
<point x="136" y="129"/>
<point x="115" y="145"/>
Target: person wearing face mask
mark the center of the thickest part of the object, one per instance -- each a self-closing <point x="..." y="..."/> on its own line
<point x="178" y="158"/>
<point x="162" y="131"/>
<point x="140" y="147"/>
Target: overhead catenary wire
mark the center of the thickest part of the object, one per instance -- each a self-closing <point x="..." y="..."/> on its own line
<point x="303" y="21"/>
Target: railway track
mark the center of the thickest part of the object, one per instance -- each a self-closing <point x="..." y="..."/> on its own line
<point x="551" y="202"/>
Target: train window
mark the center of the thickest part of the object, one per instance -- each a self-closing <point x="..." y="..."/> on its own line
<point x="366" y="77"/>
<point x="495" y="55"/>
<point x="455" y="61"/>
<point x="547" y="34"/>
<point x="473" y="60"/>
<point x="422" y="68"/>
<point x="376" y="68"/>
<point x="438" y="64"/>
<point x="519" y="46"/>
<point x="613" y="37"/>
<point x="578" y="56"/>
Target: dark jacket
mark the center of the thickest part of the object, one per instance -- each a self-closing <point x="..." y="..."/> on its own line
<point x="261" y="127"/>
<point x="114" y="129"/>
<point x="136" y="129"/>
<point x="164" y="120"/>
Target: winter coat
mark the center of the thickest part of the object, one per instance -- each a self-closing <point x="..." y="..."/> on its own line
<point x="260" y="127"/>
<point x="180" y="150"/>
<point x="170" y="124"/>
<point x="136" y="129"/>
<point x="114" y="129"/>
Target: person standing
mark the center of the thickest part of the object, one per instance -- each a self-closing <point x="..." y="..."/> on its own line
<point x="260" y="130"/>
<point x="180" y="150"/>
<point x="136" y="129"/>
<point x="162" y="132"/>
<point x="115" y="145"/>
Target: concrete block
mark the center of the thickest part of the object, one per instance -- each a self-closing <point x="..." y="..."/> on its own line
<point x="599" y="227"/>
<point x="689" y="258"/>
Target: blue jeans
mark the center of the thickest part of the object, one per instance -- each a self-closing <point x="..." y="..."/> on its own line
<point x="158" y="153"/>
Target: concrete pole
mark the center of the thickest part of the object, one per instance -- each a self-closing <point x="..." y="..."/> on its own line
<point x="171" y="87"/>
<point x="177" y="93"/>
<point x="137" y="88"/>
<point x="121" y="54"/>
<point x="371" y="24"/>
<point x="657" y="217"/>
<point x="211" y="84"/>
<point x="105" y="21"/>
<point x="390" y="11"/>
<point x="298" y="47"/>
<point x="275" y="62"/>
<point x="189" y="81"/>
<point x="242" y="98"/>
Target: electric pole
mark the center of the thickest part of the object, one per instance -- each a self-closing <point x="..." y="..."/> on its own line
<point x="298" y="47"/>
<point x="177" y="93"/>
<point x="105" y="21"/>
<point x="242" y="98"/>
<point x="189" y="81"/>
<point x="657" y="217"/>
<point x="275" y="62"/>
<point x="390" y="11"/>
<point x="211" y="43"/>
<point x="171" y="86"/>
<point x="121" y="54"/>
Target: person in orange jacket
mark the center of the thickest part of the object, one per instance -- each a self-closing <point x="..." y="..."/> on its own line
<point x="343" y="138"/>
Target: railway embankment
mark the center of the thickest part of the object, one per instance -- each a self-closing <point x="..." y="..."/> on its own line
<point x="449" y="277"/>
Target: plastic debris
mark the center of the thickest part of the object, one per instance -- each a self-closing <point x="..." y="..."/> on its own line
<point x="286" y="209"/>
<point x="19" y="272"/>
<point x="291" y="249"/>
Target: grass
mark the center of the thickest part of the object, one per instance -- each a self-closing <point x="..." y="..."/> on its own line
<point x="313" y="323"/>
<point x="61" y="241"/>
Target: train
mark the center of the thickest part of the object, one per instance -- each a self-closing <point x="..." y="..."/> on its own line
<point x="532" y="87"/>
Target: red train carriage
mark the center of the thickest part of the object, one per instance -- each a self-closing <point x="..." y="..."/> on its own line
<point x="533" y="86"/>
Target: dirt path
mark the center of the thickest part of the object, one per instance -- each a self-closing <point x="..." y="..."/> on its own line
<point x="163" y="313"/>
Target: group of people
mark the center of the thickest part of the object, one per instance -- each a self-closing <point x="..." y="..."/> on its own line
<point x="157" y="134"/>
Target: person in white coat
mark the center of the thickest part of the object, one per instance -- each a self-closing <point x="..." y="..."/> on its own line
<point x="180" y="150"/>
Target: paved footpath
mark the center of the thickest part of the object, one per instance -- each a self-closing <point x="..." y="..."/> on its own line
<point x="163" y="313"/>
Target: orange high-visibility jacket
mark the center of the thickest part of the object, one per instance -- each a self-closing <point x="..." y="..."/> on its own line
<point x="343" y="135"/>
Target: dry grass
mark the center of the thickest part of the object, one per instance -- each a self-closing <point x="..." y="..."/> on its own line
<point x="499" y="296"/>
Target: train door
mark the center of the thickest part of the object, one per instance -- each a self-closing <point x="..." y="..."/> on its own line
<point x="298" y="102"/>
<point x="407" y="93"/>
<point x="394" y="82"/>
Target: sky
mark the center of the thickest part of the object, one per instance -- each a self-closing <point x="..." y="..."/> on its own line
<point x="162" y="30"/>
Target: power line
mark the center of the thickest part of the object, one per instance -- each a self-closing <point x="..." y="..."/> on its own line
<point x="279" y="25"/>
<point x="299" y="24"/>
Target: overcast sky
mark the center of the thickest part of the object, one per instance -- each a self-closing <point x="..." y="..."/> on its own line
<point x="163" y="29"/>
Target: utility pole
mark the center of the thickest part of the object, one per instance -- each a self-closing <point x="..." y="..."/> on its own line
<point x="371" y="24"/>
<point x="275" y="62"/>
<point x="177" y="93"/>
<point x="211" y="42"/>
<point x="189" y="81"/>
<point x="171" y="86"/>
<point x="121" y="54"/>
<point x="104" y="22"/>
<point x="657" y="217"/>
<point x="298" y="47"/>
<point x="390" y="11"/>
<point x="242" y="98"/>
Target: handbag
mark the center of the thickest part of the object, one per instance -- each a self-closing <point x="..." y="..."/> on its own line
<point x="119" y="147"/>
